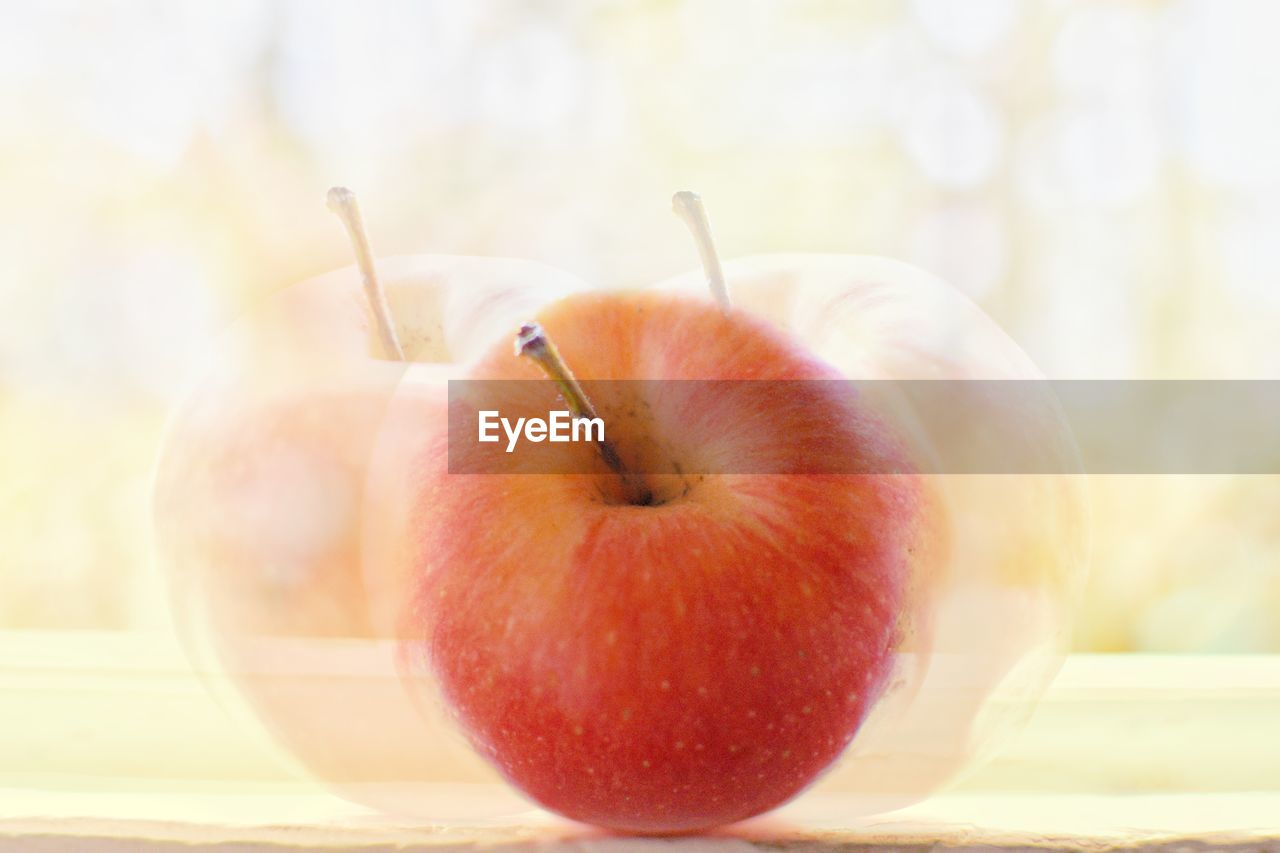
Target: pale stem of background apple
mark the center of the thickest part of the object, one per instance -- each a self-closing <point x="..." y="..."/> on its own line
<point x="688" y="206"/>
<point x="532" y="342"/>
<point x="342" y="202"/>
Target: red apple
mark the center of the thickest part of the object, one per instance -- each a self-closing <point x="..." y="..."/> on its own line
<point x="697" y="659"/>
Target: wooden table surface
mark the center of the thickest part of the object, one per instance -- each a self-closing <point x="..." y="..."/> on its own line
<point x="108" y="742"/>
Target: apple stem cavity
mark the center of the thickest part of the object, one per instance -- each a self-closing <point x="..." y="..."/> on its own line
<point x="688" y="206"/>
<point x="532" y="343"/>
<point x="342" y="202"/>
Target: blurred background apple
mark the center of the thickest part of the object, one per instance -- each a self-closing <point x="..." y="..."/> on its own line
<point x="990" y="614"/>
<point x="278" y="487"/>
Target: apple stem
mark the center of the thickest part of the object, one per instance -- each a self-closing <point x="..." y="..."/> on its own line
<point x="688" y="206"/>
<point x="532" y="342"/>
<point x="342" y="202"/>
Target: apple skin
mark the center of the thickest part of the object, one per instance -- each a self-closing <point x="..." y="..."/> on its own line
<point x="276" y="508"/>
<point x="679" y="666"/>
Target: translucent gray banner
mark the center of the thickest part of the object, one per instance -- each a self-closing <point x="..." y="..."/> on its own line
<point x="694" y="427"/>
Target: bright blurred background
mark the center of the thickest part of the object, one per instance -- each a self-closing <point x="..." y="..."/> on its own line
<point x="1102" y="177"/>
